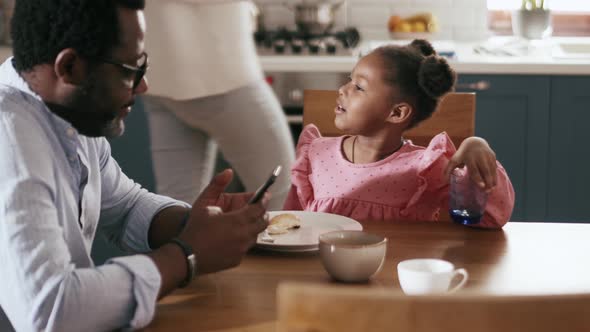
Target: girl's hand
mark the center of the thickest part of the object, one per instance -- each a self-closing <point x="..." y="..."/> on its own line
<point x="480" y="159"/>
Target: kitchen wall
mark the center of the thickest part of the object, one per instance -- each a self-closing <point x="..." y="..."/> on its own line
<point x="463" y="20"/>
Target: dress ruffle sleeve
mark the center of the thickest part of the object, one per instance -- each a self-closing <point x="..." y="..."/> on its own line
<point x="302" y="191"/>
<point x="500" y="202"/>
<point x="433" y="186"/>
<point x="430" y="171"/>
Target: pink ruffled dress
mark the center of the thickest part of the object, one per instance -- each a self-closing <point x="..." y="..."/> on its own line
<point x="407" y="185"/>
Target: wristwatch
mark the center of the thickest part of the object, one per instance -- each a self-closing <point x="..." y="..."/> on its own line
<point x="191" y="261"/>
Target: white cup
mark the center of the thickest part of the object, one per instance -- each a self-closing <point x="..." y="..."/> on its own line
<point x="429" y="276"/>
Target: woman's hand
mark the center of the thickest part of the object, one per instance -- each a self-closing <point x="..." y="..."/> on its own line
<point x="480" y="159"/>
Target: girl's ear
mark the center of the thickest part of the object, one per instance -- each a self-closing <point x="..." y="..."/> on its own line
<point x="400" y="113"/>
<point x="69" y="67"/>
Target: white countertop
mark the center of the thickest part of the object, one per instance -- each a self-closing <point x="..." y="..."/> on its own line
<point x="532" y="58"/>
<point x="540" y="58"/>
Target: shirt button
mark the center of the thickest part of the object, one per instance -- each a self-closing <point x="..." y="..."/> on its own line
<point x="71" y="132"/>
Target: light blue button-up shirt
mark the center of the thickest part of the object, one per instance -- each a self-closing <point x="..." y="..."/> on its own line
<point x="56" y="188"/>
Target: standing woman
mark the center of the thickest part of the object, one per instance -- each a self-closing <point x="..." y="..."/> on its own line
<point x="207" y="91"/>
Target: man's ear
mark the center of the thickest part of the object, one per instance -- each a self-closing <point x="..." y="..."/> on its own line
<point x="400" y="113"/>
<point x="69" y="67"/>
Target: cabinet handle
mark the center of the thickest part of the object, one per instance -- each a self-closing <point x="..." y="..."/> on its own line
<point x="295" y="119"/>
<point x="479" y="86"/>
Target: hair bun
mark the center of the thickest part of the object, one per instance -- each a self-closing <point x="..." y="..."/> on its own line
<point x="423" y="46"/>
<point x="435" y="76"/>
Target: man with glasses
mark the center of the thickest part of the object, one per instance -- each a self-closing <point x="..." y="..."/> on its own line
<point x="78" y="66"/>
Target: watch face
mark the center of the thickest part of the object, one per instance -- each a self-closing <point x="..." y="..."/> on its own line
<point x="192" y="263"/>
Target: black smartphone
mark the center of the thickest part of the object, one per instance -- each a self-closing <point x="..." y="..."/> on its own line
<point x="264" y="187"/>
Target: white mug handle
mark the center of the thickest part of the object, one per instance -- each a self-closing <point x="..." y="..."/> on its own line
<point x="464" y="276"/>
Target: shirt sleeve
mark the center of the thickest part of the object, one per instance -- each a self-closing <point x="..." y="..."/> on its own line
<point x="42" y="289"/>
<point x="292" y="201"/>
<point x="127" y="209"/>
<point x="301" y="192"/>
<point x="432" y="190"/>
<point x="500" y="201"/>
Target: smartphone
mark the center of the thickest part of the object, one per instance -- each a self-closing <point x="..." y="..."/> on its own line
<point x="264" y="187"/>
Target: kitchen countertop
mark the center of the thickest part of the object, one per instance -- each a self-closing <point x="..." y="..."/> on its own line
<point x="540" y="58"/>
<point x="528" y="58"/>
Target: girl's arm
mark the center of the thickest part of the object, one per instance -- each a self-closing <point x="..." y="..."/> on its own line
<point x="488" y="173"/>
<point x="500" y="201"/>
<point x="480" y="159"/>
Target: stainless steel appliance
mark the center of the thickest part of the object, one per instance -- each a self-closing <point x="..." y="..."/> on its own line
<point x="284" y="41"/>
<point x="314" y="17"/>
<point x="289" y="87"/>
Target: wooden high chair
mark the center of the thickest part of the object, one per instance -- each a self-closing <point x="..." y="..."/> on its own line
<point x="313" y="307"/>
<point x="455" y="115"/>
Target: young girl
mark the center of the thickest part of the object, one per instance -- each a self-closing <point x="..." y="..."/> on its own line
<point x="373" y="173"/>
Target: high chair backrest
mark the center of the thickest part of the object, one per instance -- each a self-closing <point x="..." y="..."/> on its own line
<point x="315" y="307"/>
<point x="455" y="115"/>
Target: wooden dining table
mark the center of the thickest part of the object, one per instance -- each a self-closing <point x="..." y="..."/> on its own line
<point x="522" y="258"/>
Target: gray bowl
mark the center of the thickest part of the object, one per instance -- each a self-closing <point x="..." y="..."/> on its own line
<point x="352" y="256"/>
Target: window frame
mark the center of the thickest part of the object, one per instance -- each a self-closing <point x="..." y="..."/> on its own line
<point x="564" y="23"/>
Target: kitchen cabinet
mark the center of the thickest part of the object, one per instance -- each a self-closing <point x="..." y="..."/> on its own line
<point x="568" y="191"/>
<point x="132" y="149"/>
<point x="538" y="127"/>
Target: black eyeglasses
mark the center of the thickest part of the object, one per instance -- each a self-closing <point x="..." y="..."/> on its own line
<point x="139" y="71"/>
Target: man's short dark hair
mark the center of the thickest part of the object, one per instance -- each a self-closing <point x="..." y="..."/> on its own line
<point x="40" y="29"/>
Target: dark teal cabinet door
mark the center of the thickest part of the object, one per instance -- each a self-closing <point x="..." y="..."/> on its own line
<point x="569" y="163"/>
<point x="512" y="114"/>
<point x="132" y="150"/>
<point x="132" y="153"/>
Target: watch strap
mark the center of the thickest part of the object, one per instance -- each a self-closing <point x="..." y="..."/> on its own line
<point x="191" y="261"/>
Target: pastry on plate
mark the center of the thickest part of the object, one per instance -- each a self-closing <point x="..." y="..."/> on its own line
<point x="282" y="223"/>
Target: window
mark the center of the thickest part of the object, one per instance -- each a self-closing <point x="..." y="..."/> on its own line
<point x="572" y="6"/>
<point x="569" y="17"/>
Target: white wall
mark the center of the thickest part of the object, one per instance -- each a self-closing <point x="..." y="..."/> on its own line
<point x="458" y="19"/>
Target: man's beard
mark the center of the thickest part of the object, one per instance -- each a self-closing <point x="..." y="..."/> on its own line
<point x="82" y="110"/>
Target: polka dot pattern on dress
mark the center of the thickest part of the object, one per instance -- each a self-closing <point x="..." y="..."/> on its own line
<point x="405" y="184"/>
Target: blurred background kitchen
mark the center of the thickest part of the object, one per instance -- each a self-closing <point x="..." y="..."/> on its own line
<point x="528" y="61"/>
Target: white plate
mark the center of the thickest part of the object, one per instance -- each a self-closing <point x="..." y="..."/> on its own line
<point x="306" y="237"/>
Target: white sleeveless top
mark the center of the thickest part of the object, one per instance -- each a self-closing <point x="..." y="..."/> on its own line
<point x="199" y="48"/>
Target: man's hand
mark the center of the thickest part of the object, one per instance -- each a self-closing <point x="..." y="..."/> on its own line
<point x="480" y="159"/>
<point x="220" y="240"/>
<point x="214" y="194"/>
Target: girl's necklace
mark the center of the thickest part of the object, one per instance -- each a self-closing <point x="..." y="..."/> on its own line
<point x="390" y="153"/>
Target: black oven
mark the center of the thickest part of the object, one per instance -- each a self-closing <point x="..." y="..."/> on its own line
<point x="289" y="88"/>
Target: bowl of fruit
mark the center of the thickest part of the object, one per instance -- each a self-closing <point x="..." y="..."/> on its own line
<point x="418" y="26"/>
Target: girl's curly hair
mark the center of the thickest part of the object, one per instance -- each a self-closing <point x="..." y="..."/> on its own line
<point x="422" y="76"/>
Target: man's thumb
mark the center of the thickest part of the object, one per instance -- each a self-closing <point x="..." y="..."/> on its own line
<point x="215" y="188"/>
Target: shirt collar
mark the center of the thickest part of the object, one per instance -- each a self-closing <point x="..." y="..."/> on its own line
<point x="10" y="77"/>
